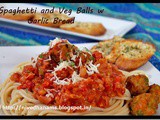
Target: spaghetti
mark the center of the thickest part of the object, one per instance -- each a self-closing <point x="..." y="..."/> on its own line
<point x="10" y="96"/>
<point x="66" y="76"/>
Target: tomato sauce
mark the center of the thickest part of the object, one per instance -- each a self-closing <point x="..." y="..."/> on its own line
<point x="92" y="89"/>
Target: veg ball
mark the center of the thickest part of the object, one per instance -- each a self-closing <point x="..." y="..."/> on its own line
<point x="143" y="104"/>
<point x="155" y="90"/>
<point x="137" y="84"/>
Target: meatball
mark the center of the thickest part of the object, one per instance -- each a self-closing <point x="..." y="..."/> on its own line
<point x="155" y="90"/>
<point x="137" y="84"/>
<point x="143" y="104"/>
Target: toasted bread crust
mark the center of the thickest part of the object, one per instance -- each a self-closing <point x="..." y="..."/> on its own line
<point x="130" y="54"/>
<point x="19" y="17"/>
<point x="132" y="58"/>
<point x="106" y="46"/>
<point x="50" y="18"/>
<point x="130" y="63"/>
<point x="94" y="29"/>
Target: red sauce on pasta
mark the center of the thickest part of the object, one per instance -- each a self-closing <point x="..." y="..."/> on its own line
<point x="65" y="75"/>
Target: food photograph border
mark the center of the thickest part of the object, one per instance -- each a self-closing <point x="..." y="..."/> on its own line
<point x="85" y="63"/>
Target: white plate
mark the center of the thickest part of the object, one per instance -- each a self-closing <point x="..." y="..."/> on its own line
<point x="12" y="56"/>
<point x="114" y="26"/>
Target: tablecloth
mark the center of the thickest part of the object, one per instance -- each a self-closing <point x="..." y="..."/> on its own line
<point x="146" y="15"/>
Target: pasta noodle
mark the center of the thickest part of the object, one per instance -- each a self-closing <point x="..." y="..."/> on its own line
<point x="135" y="72"/>
<point x="10" y="96"/>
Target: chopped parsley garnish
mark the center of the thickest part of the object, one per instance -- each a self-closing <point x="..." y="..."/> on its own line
<point x="136" y="47"/>
<point x="72" y="64"/>
<point x="41" y="55"/>
<point x="21" y="68"/>
<point x="146" y="79"/>
<point x="61" y="60"/>
<point x="127" y="49"/>
<point x="139" y="112"/>
<point x="107" y="46"/>
<point x="67" y="54"/>
<point x="87" y="50"/>
<point x="72" y="46"/>
<point x="92" y="58"/>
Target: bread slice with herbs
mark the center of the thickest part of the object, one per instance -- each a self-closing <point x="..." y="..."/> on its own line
<point x="18" y="16"/>
<point x="89" y="28"/>
<point x="130" y="54"/>
<point x="106" y="46"/>
<point x="50" y="18"/>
